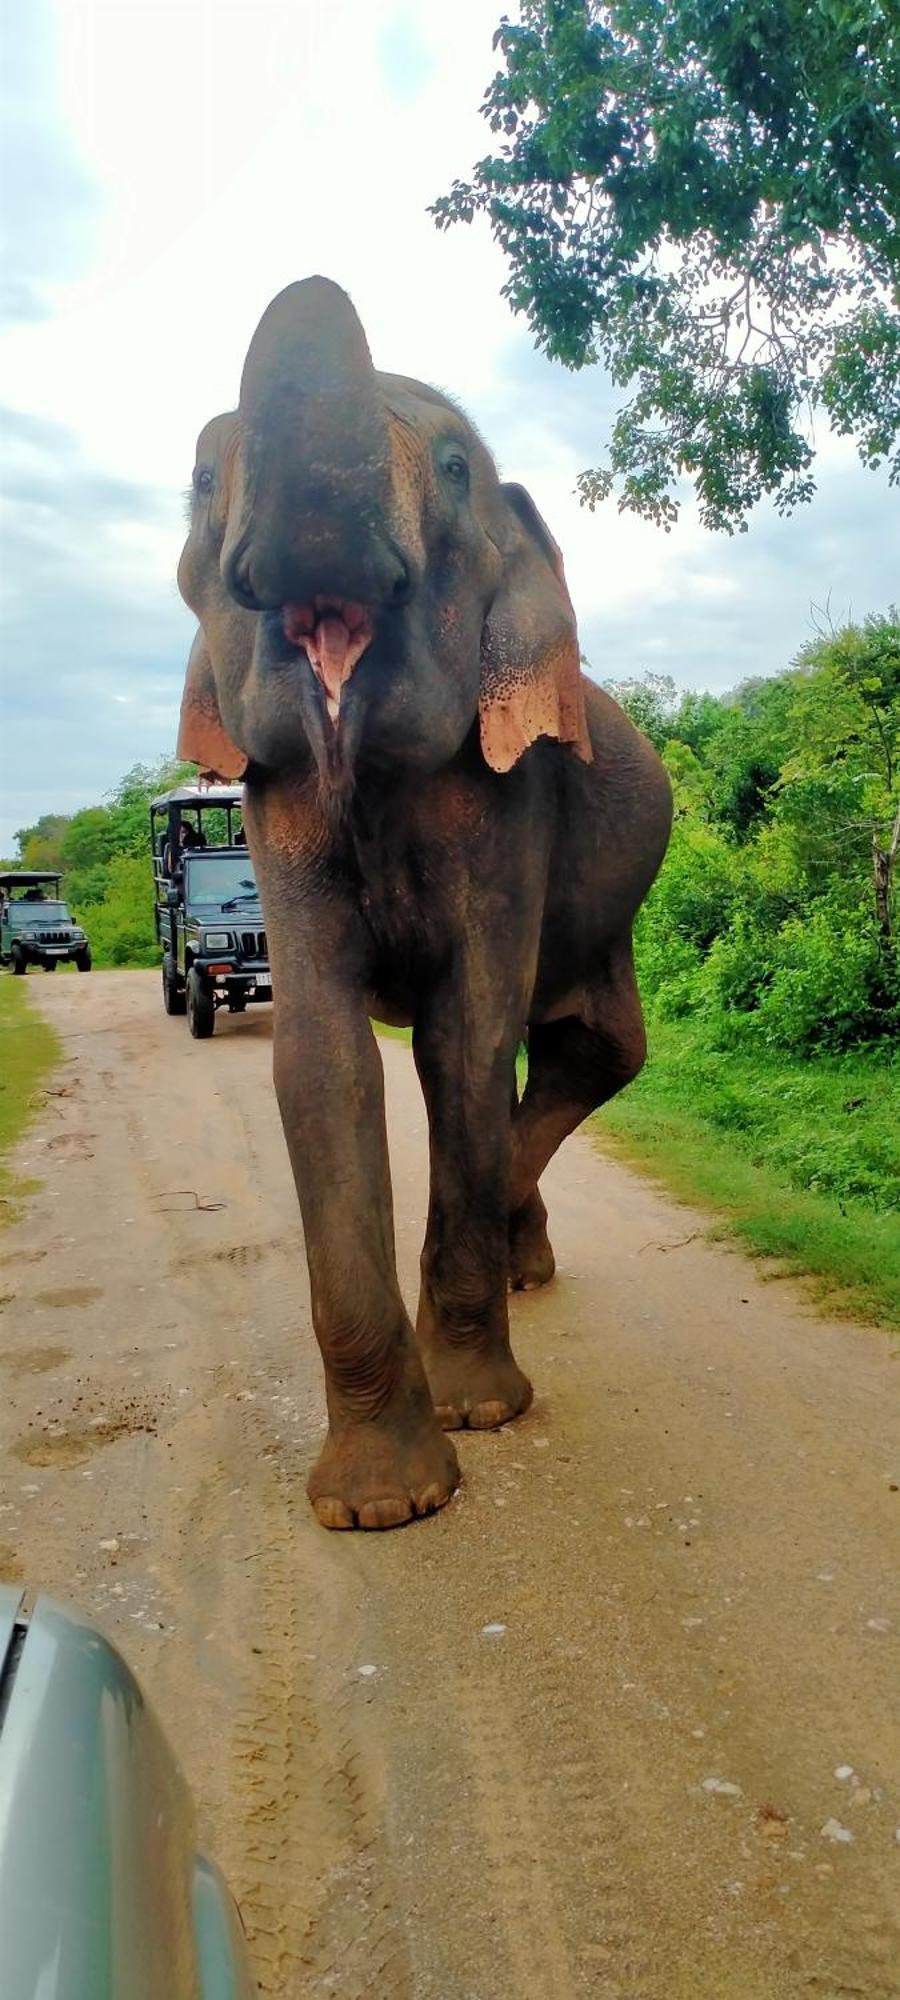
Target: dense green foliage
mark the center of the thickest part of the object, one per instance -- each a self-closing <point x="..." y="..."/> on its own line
<point x="768" y="958"/>
<point x="774" y="919"/>
<point x="707" y="198"/>
<point x="103" y="853"/>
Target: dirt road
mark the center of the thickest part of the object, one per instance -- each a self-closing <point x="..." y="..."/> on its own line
<point x="581" y="1733"/>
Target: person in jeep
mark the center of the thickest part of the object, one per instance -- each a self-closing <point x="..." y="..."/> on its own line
<point x="173" y="858"/>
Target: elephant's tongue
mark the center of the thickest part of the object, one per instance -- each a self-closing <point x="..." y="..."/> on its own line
<point x="334" y="641"/>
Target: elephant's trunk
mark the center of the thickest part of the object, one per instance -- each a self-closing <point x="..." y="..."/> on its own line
<point x="309" y="524"/>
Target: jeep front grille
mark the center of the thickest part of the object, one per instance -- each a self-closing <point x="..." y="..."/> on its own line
<point x="253" y="944"/>
<point x="54" y="937"/>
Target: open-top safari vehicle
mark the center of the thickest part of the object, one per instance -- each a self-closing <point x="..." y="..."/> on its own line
<point x="208" y="916"/>
<point x="35" y="925"/>
<point x="103" y="1895"/>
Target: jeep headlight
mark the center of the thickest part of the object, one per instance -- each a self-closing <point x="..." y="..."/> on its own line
<point x="217" y="940"/>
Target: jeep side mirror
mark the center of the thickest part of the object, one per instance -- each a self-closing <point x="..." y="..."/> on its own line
<point x="172" y="897"/>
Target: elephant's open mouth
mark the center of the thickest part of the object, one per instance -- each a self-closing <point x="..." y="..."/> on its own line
<point x="334" y="635"/>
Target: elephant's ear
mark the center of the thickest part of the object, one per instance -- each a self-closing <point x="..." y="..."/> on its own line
<point x="531" y="682"/>
<point x="202" y="736"/>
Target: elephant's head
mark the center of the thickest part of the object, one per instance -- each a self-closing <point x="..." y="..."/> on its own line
<point x="365" y="584"/>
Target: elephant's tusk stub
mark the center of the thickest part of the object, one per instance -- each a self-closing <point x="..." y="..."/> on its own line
<point x="334" y="637"/>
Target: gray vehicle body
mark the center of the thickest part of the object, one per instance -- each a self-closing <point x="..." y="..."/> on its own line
<point x="103" y="1895"/>
<point x="38" y="932"/>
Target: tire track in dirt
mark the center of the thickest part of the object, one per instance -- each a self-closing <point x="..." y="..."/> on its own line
<point x="300" y="1797"/>
<point x="511" y="1823"/>
<point x="316" y="1887"/>
<point x="537" y="1831"/>
<point x="593" y="1872"/>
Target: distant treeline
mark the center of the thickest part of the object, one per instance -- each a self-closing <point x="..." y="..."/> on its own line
<point x="103" y="853"/>
<point x="774" y="919"/>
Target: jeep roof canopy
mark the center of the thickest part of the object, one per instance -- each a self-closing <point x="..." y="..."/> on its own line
<point x="198" y="796"/>
<point x="32" y="878"/>
<point x="192" y="799"/>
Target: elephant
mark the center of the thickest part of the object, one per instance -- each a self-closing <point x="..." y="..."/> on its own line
<point x="453" y="829"/>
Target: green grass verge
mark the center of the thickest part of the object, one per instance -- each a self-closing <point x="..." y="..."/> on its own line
<point x="28" y="1051"/>
<point x="801" y="1160"/>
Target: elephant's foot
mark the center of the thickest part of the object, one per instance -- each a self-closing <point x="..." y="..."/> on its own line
<point x="379" y="1472"/>
<point x="531" y="1259"/>
<point x="475" y="1389"/>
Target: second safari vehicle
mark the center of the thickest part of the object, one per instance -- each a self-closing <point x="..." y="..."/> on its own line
<point x="209" y="921"/>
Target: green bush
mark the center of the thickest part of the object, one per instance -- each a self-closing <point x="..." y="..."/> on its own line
<point x="737" y="971"/>
<point x="103" y="855"/>
<point x="827" y="983"/>
<point x="121" y="928"/>
<point x="764" y="922"/>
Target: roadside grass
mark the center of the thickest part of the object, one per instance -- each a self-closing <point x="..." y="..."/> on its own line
<point x="799" y="1159"/>
<point x="29" y="1049"/>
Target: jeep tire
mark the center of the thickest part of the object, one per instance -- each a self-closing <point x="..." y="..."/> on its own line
<point x="201" y="1005"/>
<point x="174" y="1000"/>
<point x="83" y="959"/>
<point x="19" y="961"/>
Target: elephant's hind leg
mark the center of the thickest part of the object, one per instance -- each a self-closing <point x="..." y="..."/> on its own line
<point x="463" y="1325"/>
<point x="574" y="1066"/>
<point x="531" y="1259"/>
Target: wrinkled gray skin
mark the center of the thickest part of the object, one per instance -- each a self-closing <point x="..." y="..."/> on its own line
<point x="451" y="828"/>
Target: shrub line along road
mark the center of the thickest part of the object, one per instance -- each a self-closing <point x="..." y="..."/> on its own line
<point x="578" y="1734"/>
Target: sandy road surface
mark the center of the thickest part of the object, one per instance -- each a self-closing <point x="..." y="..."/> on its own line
<point x="691" y="1544"/>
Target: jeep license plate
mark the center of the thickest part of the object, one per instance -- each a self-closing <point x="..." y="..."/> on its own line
<point x="263" y="983"/>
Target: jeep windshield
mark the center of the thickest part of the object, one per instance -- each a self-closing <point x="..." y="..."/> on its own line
<point x="35" y="916"/>
<point x="219" y="880"/>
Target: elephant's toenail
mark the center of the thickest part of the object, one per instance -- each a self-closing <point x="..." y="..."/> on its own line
<point x="333" y="1513"/>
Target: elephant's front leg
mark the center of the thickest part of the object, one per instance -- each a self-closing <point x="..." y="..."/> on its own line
<point x="465" y="1064"/>
<point x="385" y="1459"/>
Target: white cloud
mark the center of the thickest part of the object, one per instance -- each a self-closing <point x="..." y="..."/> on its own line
<point x="175" y="163"/>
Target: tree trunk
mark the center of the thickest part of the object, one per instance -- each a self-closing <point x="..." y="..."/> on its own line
<point x="883" y="859"/>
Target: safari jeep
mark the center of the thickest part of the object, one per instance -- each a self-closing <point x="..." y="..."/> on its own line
<point x="35" y="927"/>
<point x="208" y="917"/>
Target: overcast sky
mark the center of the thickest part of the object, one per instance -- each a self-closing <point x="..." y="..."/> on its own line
<point x="168" y="165"/>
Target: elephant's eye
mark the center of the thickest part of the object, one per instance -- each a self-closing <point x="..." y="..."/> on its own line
<point x="203" y="482"/>
<point x="456" y="468"/>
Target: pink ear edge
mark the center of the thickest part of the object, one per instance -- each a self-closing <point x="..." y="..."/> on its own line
<point x="202" y="739"/>
<point x="530" y="704"/>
